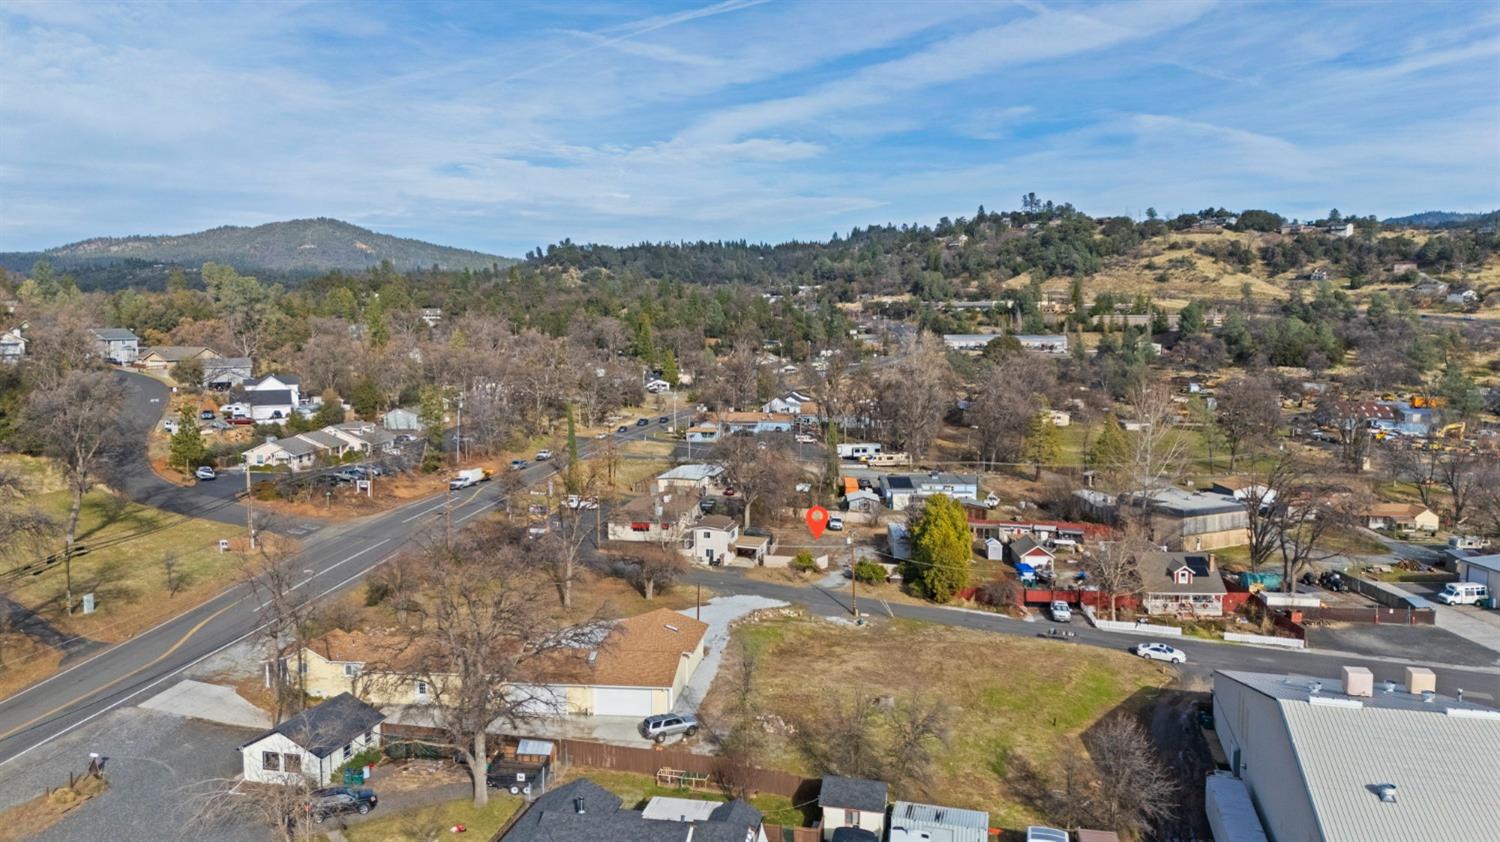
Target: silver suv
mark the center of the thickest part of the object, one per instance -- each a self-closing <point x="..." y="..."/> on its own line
<point x="662" y="725"/>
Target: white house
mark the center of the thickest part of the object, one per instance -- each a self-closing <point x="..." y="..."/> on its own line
<point x="1054" y="343"/>
<point x="277" y="382"/>
<point x="852" y="802"/>
<point x="116" y="344"/>
<point x="273" y="397"/>
<point x="699" y="479"/>
<point x="12" y="346"/>
<point x="296" y="452"/>
<point x="712" y="539"/>
<point x="313" y="744"/>
<point x="660" y="518"/>
<point x="790" y="403"/>
<point x="901" y="490"/>
<point x="402" y="420"/>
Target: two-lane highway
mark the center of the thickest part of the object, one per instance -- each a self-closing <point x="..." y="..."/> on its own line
<point x="331" y="559"/>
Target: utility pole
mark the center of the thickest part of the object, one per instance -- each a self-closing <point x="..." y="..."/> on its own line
<point x="249" y="500"/>
<point x="853" y="580"/>
<point x="448" y="518"/>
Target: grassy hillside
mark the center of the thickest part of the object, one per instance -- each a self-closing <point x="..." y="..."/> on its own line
<point x="300" y="245"/>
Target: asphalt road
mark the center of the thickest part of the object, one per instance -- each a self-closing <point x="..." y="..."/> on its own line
<point x="333" y="558"/>
<point x="1203" y="656"/>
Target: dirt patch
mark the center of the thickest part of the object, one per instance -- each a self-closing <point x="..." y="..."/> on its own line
<point x="24" y="821"/>
<point x="1012" y="702"/>
<point x="26" y="662"/>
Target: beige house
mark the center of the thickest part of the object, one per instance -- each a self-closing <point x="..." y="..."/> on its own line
<point x="639" y="668"/>
<point x="162" y="357"/>
<point x="1411" y="517"/>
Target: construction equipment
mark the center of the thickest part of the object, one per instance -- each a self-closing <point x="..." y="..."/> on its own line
<point x="1454" y="430"/>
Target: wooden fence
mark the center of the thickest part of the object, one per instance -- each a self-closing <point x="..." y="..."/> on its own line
<point x="777" y="833"/>
<point x="1377" y="615"/>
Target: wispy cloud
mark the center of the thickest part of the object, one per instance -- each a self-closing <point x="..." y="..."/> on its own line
<point x="502" y="128"/>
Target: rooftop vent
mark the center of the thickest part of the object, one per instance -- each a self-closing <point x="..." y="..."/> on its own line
<point x="578" y="805"/>
<point x="1428" y="696"/>
<point x="670" y="627"/>
<point x="593" y="656"/>
<point x="1387" y="792"/>
<point x="1358" y="681"/>
<point x="1390" y="686"/>
<point x="1419" y="679"/>
<point x="1314" y="687"/>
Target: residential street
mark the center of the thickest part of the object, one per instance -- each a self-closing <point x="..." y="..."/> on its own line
<point x="333" y="558"/>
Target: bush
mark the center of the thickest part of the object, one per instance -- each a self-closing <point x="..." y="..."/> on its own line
<point x="267" y="491"/>
<point x="376" y="592"/>
<point x="869" y="572"/>
<point x="804" y="563"/>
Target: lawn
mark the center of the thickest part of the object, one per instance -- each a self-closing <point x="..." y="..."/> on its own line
<point x="431" y="822"/>
<point x="635" y="790"/>
<point x="122" y="567"/>
<point x="1009" y="699"/>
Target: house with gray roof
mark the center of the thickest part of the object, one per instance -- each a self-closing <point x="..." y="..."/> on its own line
<point x="1355" y="760"/>
<point x="900" y="491"/>
<point x="852" y="802"/>
<point x="583" y="811"/>
<point x="116" y="344"/>
<point x="312" y="744"/>
<point x="1181" y="584"/>
<point x="224" y="373"/>
<point x="295" y="452"/>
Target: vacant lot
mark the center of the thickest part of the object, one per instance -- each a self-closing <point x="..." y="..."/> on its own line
<point x="1011" y="703"/>
<point x="122" y="567"/>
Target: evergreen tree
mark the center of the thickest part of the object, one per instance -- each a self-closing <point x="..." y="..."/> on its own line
<point x="366" y="399"/>
<point x="1111" y="450"/>
<point x="1458" y="389"/>
<point x="331" y="412"/>
<point x="669" y="370"/>
<point x="1043" y="444"/>
<point x="187" y="447"/>
<point x="940" y="549"/>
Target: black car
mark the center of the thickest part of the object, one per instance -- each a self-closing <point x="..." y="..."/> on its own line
<point x="622" y="429"/>
<point x="643" y="422"/>
<point x="664" y="420"/>
<point x="338" y="800"/>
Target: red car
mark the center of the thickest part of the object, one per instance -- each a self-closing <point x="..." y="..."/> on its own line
<point x="242" y="420"/>
<point x="729" y="492"/>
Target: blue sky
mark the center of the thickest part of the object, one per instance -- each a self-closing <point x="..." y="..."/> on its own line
<point x="502" y="127"/>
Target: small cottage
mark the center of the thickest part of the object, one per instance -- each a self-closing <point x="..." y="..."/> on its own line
<point x="312" y="744"/>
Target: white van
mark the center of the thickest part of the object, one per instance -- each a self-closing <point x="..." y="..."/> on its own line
<point x="1463" y="593"/>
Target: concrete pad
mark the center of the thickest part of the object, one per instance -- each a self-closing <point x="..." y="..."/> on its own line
<point x="1478" y="625"/>
<point x="719" y="612"/>
<point x="209" y="702"/>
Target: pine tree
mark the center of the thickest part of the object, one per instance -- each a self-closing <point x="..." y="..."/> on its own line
<point x="1111" y="450"/>
<point x="1043" y="444"/>
<point x="940" y="549"/>
<point x="187" y="448"/>
<point x="669" y="370"/>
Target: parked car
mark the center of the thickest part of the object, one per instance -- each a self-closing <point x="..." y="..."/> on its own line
<point x="206" y="415"/>
<point x="334" y="801"/>
<point x="241" y="420"/>
<point x="1061" y="613"/>
<point x="836" y="523"/>
<point x="543" y="455"/>
<point x="642" y="422"/>
<point x="170" y="425"/>
<point x="804" y="438"/>
<point x="662" y="725"/>
<point x="729" y="492"/>
<point x="205" y="473"/>
<point x="854" y="834"/>
<point x="1160" y="652"/>
<point x="573" y="501"/>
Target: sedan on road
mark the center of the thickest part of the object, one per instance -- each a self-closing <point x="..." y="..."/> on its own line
<point x="643" y="422"/>
<point x="1160" y="652"/>
<point x="205" y="473"/>
<point x="665" y="419"/>
<point x="517" y="464"/>
<point x="622" y="429"/>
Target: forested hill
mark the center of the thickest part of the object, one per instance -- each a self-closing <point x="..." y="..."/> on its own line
<point x="295" y="247"/>
<point x="1443" y="219"/>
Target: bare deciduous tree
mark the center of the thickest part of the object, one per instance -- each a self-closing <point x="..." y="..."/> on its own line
<point x="1113" y="565"/>
<point x="488" y="640"/>
<point x="1158" y="450"/>
<point x="278" y="809"/>
<point x="917" y="732"/>
<point x="760" y="468"/>
<point x="272" y="575"/>
<point x="1135" y="789"/>
<point x="173" y="576"/>
<point x="78" y="424"/>
<point x="1249" y="411"/>
<point x="914" y="394"/>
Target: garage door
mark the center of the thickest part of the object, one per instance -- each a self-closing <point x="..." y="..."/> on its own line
<point x="620" y="701"/>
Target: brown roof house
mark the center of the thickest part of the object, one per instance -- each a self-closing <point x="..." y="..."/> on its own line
<point x="1410" y="517"/>
<point x="1181" y="584"/>
<point x="661" y="518"/>
<point x="639" y="666"/>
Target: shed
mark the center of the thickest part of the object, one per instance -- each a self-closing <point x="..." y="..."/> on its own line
<point x="994" y="549"/>
<point x="911" y="822"/>
<point x="852" y="802"/>
<point x="401" y="420"/>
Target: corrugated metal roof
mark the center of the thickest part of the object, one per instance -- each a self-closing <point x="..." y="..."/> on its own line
<point x="963" y="825"/>
<point x="1446" y="770"/>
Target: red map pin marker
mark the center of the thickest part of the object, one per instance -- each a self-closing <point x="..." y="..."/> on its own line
<point x="817" y="521"/>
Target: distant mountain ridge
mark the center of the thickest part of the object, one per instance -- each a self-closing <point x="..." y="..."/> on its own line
<point x="296" y="246"/>
<point x="1441" y="219"/>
